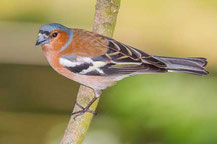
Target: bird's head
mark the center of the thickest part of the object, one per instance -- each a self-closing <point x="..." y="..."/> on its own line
<point x="56" y="35"/>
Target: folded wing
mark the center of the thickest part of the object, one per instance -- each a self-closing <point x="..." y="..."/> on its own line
<point x="119" y="59"/>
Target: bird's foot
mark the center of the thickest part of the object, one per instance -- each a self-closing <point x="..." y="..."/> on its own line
<point x="81" y="112"/>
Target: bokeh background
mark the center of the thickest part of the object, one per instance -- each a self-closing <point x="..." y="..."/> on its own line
<point x="36" y="102"/>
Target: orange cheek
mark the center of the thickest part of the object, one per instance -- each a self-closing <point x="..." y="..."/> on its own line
<point x="58" y="42"/>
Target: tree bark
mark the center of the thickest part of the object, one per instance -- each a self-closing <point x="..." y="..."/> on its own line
<point x="104" y="23"/>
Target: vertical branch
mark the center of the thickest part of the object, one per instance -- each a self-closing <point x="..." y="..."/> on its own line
<point x="105" y="16"/>
<point x="104" y="23"/>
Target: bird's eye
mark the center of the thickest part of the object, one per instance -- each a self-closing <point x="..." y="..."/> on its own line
<point x="54" y="35"/>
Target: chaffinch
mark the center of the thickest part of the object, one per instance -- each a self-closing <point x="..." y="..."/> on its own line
<point x="98" y="61"/>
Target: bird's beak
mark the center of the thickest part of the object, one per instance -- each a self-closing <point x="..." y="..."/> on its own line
<point x="42" y="39"/>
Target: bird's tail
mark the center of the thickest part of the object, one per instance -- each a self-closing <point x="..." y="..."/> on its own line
<point x="184" y="65"/>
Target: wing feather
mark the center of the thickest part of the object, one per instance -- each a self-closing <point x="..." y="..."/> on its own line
<point x="120" y="59"/>
<point x="134" y="55"/>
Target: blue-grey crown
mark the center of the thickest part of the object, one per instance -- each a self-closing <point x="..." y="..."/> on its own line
<point x="52" y="26"/>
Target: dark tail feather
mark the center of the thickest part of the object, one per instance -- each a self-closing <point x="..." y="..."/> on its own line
<point x="185" y="65"/>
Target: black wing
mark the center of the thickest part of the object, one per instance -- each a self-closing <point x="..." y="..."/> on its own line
<point x="124" y="59"/>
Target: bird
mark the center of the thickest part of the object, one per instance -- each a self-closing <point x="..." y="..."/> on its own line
<point x="98" y="62"/>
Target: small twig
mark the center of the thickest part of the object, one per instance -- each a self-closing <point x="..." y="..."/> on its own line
<point x="104" y="23"/>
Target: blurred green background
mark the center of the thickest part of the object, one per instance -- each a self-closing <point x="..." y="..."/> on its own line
<point x="36" y="102"/>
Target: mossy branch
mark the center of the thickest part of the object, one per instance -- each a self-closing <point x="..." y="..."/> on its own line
<point x="104" y="23"/>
